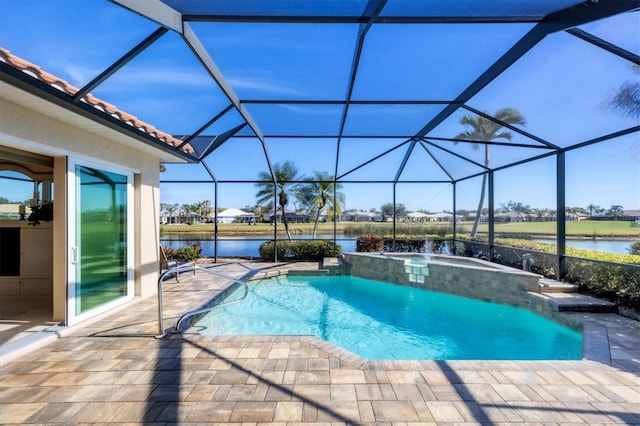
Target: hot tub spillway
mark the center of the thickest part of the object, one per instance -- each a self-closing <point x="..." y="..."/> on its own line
<point x="416" y="272"/>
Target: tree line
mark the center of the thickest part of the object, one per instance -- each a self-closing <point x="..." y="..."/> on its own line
<point x="615" y="210"/>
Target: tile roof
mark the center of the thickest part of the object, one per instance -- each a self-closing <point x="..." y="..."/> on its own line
<point x="36" y="72"/>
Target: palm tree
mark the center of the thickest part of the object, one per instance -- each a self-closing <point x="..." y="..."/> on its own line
<point x="186" y="209"/>
<point x="592" y="208"/>
<point x="170" y="209"/>
<point x="319" y="193"/>
<point x="626" y="101"/>
<point x="284" y="175"/>
<point x="335" y="211"/>
<point x="204" y="208"/>
<point x="616" y="211"/>
<point x="164" y="208"/>
<point x="482" y="129"/>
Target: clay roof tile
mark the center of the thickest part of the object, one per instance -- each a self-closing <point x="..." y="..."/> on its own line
<point x="36" y="72"/>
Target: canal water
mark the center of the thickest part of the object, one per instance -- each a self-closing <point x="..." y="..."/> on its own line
<point x="244" y="246"/>
<point x="249" y="246"/>
<point x="609" y="246"/>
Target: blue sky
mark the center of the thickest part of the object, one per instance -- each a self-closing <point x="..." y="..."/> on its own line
<point x="562" y="87"/>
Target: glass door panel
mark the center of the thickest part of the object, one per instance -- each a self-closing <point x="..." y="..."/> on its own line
<point x="99" y="273"/>
<point x="101" y="225"/>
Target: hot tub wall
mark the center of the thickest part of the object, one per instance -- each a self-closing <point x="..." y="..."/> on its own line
<point x="469" y="279"/>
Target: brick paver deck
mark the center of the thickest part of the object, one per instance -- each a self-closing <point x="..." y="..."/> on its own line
<point x="116" y="371"/>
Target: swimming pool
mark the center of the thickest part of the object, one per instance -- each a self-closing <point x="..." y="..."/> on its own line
<point x="378" y="320"/>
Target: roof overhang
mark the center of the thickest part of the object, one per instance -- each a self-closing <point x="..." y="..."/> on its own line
<point x="20" y="88"/>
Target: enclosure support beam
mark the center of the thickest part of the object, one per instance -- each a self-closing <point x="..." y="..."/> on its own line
<point x="403" y="164"/>
<point x="156" y="11"/>
<point x="561" y="230"/>
<point x="371" y="12"/>
<point x="603" y="44"/>
<point x="215" y="225"/>
<point x="335" y="209"/>
<point x="491" y="217"/>
<point x="275" y="222"/>
<point x="393" y="245"/>
<point x="80" y="94"/>
<point x="215" y="211"/>
<point x="455" y="221"/>
<point x="203" y="128"/>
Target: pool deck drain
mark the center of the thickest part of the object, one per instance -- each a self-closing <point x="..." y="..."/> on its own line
<point x="114" y="371"/>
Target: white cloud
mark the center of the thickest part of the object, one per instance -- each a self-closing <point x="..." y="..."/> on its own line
<point x="131" y="79"/>
<point x="79" y="75"/>
<point x="263" y="85"/>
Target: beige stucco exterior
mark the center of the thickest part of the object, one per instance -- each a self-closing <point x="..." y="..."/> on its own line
<point x="30" y="129"/>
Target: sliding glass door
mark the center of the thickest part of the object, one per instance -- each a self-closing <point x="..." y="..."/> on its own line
<point x="100" y="212"/>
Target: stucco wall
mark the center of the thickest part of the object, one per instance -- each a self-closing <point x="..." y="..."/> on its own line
<point x="32" y="131"/>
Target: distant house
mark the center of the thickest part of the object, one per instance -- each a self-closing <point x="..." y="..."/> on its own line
<point x="543" y="216"/>
<point x="442" y="217"/>
<point x="166" y="219"/>
<point x="356" y="216"/>
<point x="417" y="217"/>
<point x="508" y="217"/>
<point x="292" y="216"/>
<point x="633" y="215"/>
<point x="194" y="218"/>
<point x="625" y="215"/>
<point x="576" y="216"/>
<point x="235" y="215"/>
<point x="181" y="218"/>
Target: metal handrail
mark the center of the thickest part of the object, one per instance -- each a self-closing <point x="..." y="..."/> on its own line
<point x="188" y="268"/>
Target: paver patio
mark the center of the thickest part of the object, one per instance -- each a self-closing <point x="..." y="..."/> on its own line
<point x="115" y="370"/>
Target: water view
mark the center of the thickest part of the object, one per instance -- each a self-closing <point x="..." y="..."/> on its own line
<point x="609" y="246"/>
<point x="243" y="246"/>
<point x="249" y="246"/>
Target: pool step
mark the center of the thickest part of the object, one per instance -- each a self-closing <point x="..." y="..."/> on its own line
<point x="575" y="302"/>
<point x="331" y="262"/>
<point x="551" y="286"/>
<point x="334" y="265"/>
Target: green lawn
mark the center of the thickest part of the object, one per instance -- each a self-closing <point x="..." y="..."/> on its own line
<point x="584" y="228"/>
<point x="601" y="229"/>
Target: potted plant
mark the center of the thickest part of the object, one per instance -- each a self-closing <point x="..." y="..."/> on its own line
<point x="41" y="212"/>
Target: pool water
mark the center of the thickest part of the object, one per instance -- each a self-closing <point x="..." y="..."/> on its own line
<point x="385" y="321"/>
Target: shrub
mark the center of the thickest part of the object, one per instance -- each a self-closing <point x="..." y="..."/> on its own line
<point x="184" y="254"/>
<point x="402" y="228"/>
<point x="369" y="243"/>
<point x="268" y="250"/>
<point x="434" y="244"/>
<point x="635" y="247"/>
<point x="617" y="283"/>
<point x="299" y="250"/>
<point x="314" y="250"/>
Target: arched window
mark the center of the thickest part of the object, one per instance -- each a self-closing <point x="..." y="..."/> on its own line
<point x="16" y="189"/>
